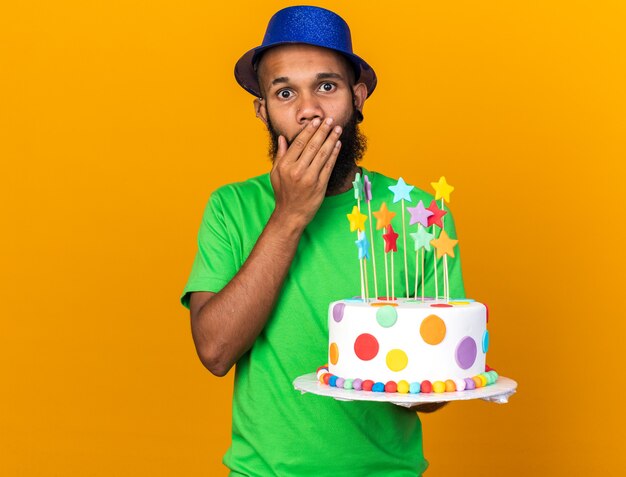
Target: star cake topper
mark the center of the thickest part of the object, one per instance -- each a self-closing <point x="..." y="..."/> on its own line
<point x="357" y="219"/>
<point x="391" y="240"/>
<point x="444" y="245"/>
<point x="363" y="245"/>
<point x="437" y="214"/>
<point x="383" y="216"/>
<point x="442" y="189"/>
<point x="357" y="185"/>
<point x="419" y="214"/>
<point x="422" y="238"/>
<point x="401" y="191"/>
<point x="367" y="188"/>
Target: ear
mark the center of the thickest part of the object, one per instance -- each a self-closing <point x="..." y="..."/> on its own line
<point x="360" y="95"/>
<point x="260" y="109"/>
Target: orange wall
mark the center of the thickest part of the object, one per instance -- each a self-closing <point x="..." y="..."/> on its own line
<point x="117" y="119"/>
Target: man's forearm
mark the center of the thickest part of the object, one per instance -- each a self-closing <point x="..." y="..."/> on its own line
<point x="225" y="326"/>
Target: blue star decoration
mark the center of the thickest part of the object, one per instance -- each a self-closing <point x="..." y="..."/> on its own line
<point x="363" y="245"/>
<point x="422" y="238"/>
<point x="401" y="191"/>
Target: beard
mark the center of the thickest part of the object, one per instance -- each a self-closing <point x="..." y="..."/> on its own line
<point x="353" y="146"/>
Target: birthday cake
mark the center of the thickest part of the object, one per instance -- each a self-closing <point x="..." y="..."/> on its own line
<point x="406" y="345"/>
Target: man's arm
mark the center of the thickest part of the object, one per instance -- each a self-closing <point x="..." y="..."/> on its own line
<point x="225" y="324"/>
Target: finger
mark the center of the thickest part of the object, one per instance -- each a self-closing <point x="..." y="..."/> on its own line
<point x="316" y="142"/>
<point x="282" y="147"/>
<point x="302" y="139"/>
<point x="323" y="155"/>
<point x="327" y="169"/>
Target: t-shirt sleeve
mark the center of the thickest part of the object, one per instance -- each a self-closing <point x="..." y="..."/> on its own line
<point x="214" y="265"/>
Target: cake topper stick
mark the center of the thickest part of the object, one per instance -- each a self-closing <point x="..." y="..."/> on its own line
<point x="417" y="272"/>
<point x="363" y="247"/>
<point x="357" y="223"/>
<point x="393" y="286"/>
<point x="446" y="283"/>
<point x="433" y="220"/>
<point x="367" y="288"/>
<point x="419" y="216"/>
<point x="362" y="281"/>
<point x="367" y="192"/>
<point x="423" y="275"/>
<point x="391" y="245"/>
<point x="383" y="219"/>
<point x="443" y="191"/>
<point x="436" y="277"/>
<point x="444" y="245"/>
<point x="422" y="241"/>
<point x="386" y="278"/>
<point x="401" y="192"/>
<point x="406" y="267"/>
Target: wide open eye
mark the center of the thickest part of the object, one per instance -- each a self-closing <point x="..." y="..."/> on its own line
<point x="284" y="94"/>
<point x="327" y="87"/>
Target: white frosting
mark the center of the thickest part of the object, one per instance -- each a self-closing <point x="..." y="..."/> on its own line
<point x="436" y="362"/>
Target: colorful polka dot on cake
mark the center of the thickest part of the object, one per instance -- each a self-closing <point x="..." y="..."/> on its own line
<point x="465" y="353"/>
<point x="338" y="310"/>
<point x="366" y="347"/>
<point x="386" y="316"/>
<point x="334" y="353"/>
<point x="397" y="360"/>
<point x="433" y="330"/>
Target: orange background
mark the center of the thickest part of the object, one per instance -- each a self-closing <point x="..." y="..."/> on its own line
<point x="117" y="119"/>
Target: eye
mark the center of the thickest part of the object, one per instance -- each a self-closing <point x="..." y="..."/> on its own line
<point x="327" y="87"/>
<point x="284" y="94"/>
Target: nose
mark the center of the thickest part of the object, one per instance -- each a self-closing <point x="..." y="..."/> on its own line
<point x="308" y="109"/>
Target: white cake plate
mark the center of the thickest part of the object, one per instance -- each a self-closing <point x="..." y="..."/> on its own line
<point x="498" y="392"/>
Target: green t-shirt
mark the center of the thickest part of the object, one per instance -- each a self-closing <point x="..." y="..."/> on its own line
<point x="276" y="430"/>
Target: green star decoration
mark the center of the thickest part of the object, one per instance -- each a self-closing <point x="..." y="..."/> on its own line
<point x="422" y="238"/>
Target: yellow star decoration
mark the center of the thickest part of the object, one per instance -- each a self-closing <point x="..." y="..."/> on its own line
<point x="444" y="244"/>
<point x="442" y="189"/>
<point x="357" y="220"/>
<point x="383" y="216"/>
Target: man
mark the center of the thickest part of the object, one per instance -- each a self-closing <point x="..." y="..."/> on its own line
<point x="274" y="251"/>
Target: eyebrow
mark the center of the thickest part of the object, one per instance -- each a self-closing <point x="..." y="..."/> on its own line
<point x="319" y="76"/>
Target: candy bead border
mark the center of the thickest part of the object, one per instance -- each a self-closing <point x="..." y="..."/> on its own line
<point x="490" y="376"/>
